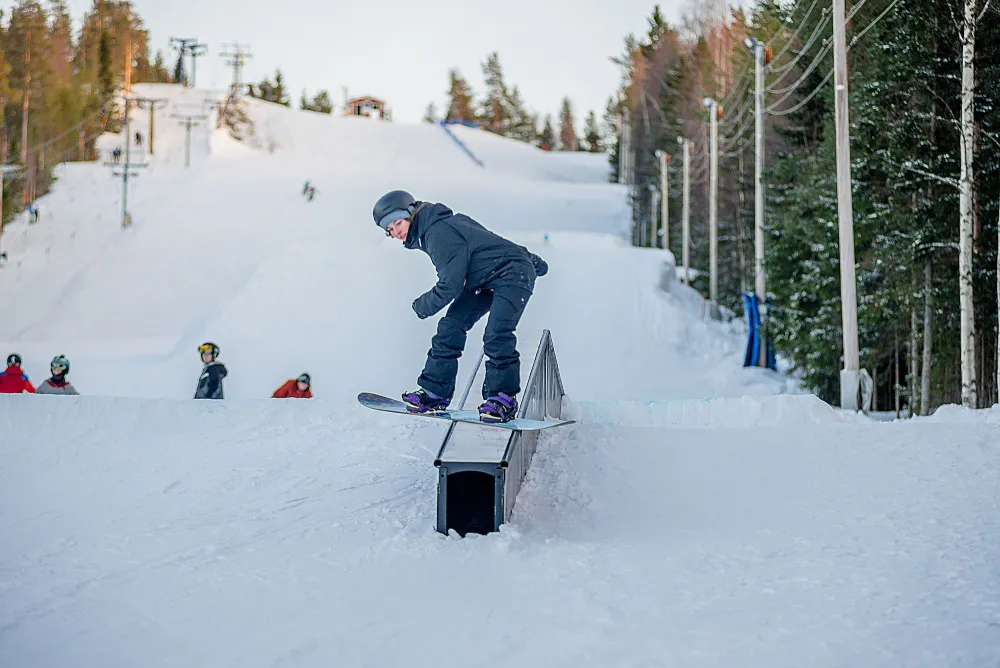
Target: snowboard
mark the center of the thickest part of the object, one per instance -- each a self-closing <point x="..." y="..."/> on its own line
<point x="379" y="403"/>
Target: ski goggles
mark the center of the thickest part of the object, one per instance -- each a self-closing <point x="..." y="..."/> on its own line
<point x="205" y="348"/>
<point x="58" y="368"/>
<point x="303" y="379"/>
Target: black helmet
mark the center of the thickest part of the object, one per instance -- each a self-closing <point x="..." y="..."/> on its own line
<point x="61" y="360"/>
<point x="13" y="359"/>
<point x="209" y="347"/>
<point x="393" y="206"/>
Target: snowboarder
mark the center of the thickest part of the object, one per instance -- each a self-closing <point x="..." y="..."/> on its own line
<point x="478" y="272"/>
<point x="14" y="380"/>
<point x="295" y="388"/>
<point x="57" y="384"/>
<point x="210" y="381"/>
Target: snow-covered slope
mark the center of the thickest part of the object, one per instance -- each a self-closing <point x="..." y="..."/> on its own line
<point x="693" y="516"/>
<point x="273" y="533"/>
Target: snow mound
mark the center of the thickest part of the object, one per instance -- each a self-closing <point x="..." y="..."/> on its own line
<point x="957" y="414"/>
<point x="717" y="413"/>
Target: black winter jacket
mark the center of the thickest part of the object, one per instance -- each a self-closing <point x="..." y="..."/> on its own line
<point x="466" y="256"/>
<point x="210" y="382"/>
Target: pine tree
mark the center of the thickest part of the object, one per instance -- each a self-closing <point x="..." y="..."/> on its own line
<point x="160" y="74"/>
<point x="430" y="114"/>
<point x="522" y="123"/>
<point x="567" y="133"/>
<point x="180" y="75"/>
<point x="271" y="92"/>
<point x="547" y="138"/>
<point x="459" y="98"/>
<point x="279" y="94"/>
<point x="592" y="134"/>
<point x="321" y="102"/>
<point x="59" y="41"/>
<point x="495" y="111"/>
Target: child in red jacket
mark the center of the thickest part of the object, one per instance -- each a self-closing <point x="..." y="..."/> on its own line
<point x="14" y="380"/>
<point x="295" y="388"/>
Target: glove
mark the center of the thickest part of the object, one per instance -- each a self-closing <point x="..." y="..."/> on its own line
<point x="541" y="267"/>
<point x="414" y="307"/>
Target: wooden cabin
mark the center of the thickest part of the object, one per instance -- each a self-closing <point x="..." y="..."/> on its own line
<point x="367" y="106"/>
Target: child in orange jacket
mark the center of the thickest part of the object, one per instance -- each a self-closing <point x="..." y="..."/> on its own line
<point x="295" y="388"/>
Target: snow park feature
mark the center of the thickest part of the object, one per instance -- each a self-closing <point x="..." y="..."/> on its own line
<point x="696" y="513"/>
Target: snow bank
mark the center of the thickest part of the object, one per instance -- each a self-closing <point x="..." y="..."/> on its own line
<point x="957" y="414"/>
<point x="270" y="532"/>
<point x="718" y="413"/>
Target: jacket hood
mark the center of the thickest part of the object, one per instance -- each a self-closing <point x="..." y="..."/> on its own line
<point x="427" y="215"/>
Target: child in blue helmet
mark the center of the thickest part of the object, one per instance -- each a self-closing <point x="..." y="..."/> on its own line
<point x="57" y="383"/>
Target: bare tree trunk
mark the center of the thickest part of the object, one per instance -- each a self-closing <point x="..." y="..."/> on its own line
<point x="925" y="371"/>
<point x="966" y="301"/>
<point x="741" y="236"/>
<point x="895" y="366"/>
<point x="4" y="137"/>
<point x="875" y="388"/>
<point x="998" y="312"/>
<point x="911" y="377"/>
<point x="24" y="103"/>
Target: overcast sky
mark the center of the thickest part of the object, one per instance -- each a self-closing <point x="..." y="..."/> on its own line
<point x="401" y="50"/>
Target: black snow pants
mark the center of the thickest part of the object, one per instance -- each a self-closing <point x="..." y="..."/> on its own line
<point x="505" y="305"/>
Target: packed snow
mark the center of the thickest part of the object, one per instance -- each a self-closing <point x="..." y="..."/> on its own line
<point x="696" y="514"/>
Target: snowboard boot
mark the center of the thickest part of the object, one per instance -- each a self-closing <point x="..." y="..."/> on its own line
<point x="419" y="401"/>
<point x="498" y="408"/>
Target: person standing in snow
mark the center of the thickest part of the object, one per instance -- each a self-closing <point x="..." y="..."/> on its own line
<point x="478" y="272"/>
<point x="210" y="381"/>
<point x="295" y="388"/>
<point x="14" y="380"/>
<point x="57" y="384"/>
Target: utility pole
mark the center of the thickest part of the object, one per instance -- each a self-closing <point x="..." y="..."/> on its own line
<point x="625" y="150"/>
<point x="664" y="158"/>
<point x="237" y="57"/>
<point x="128" y="166"/>
<point x="713" y="202"/>
<point x="654" y="205"/>
<point x="189" y="121"/>
<point x="850" y="375"/>
<point x="151" y="104"/>
<point x="188" y="46"/>
<point x="686" y="210"/>
<point x="196" y="49"/>
<point x="180" y="45"/>
<point x="760" y="283"/>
